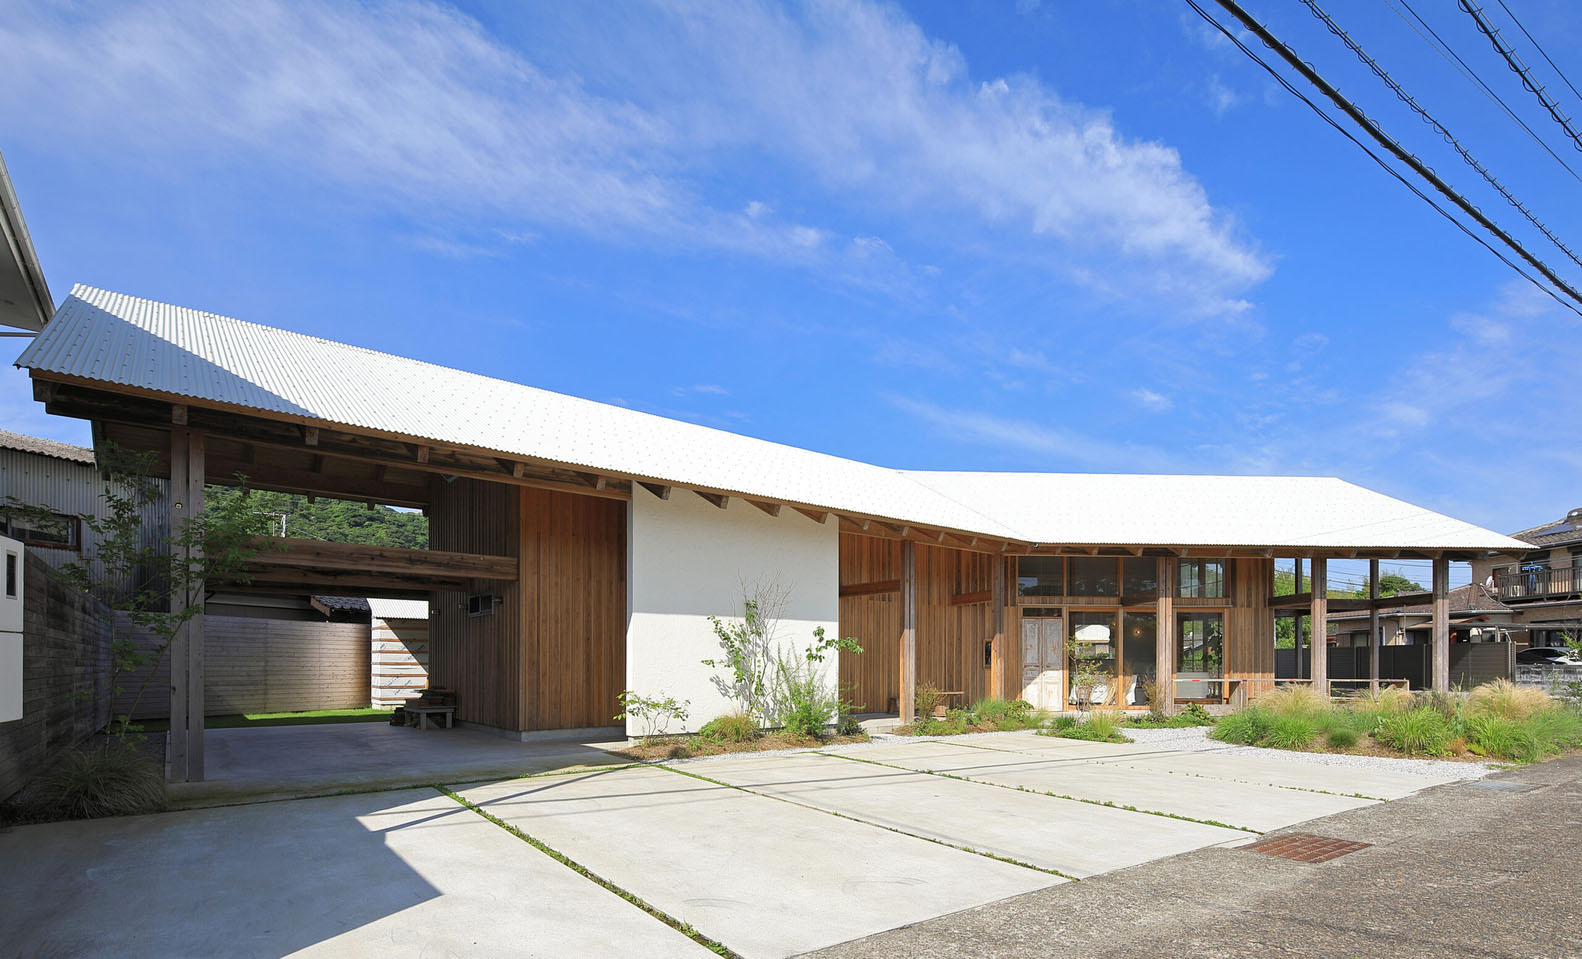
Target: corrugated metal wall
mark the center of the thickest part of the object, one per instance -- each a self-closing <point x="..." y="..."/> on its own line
<point x="75" y="489"/>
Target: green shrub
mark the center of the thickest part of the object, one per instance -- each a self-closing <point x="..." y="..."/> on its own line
<point x="1004" y="714"/>
<point x="735" y="727"/>
<point x="1193" y="714"/>
<point x="1100" y="726"/>
<point x="1246" y="727"/>
<point x="1060" y="723"/>
<point x="928" y="697"/>
<point x="1502" y="738"/>
<point x="1340" y="737"/>
<point x="1291" y="732"/>
<point x="95" y="781"/>
<point x="1557" y="730"/>
<point x="1424" y="730"/>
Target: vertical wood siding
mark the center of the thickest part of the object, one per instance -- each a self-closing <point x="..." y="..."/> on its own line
<point x="950" y="638"/>
<point x="1249" y="628"/>
<point x="573" y="551"/>
<point x="479" y="657"/>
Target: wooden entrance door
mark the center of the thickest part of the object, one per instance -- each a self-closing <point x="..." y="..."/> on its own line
<point x="1044" y="661"/>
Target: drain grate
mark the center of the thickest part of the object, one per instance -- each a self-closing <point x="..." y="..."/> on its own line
<point x="1503" y="785"/>
<point x="1305" y="847"/>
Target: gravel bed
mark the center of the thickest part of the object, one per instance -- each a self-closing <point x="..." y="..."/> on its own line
<point x="1195" y="739"/>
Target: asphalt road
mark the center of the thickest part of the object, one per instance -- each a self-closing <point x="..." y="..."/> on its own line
<point x="1491" y="869"/>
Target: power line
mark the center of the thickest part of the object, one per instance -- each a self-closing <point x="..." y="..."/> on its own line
<point x="1519" y="68"/>
<point x="1406" y="98"/>
<point x="1471" y="76"/>
<point x="1537" y="46"/>
<point x="1417" y="165"/>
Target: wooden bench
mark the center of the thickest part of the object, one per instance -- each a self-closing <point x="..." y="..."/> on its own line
<point x="419" y="715"/>
<point x="948" y="696"/>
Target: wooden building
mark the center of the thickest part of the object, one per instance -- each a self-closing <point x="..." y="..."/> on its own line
<point x="579" y="549"/>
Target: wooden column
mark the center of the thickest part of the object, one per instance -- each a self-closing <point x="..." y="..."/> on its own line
<point x="908" y="697"/>
<point x="184" y="756"/>
<point x="1441" y="630"/>
<point x="1373" y="625"/>
<point x="997" y="643"/>
<point x="1319" y="612"/>
<point x="1165" y="652"/>
<point x="1296" y="619"/>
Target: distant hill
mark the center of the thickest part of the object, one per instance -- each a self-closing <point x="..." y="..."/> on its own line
<point x="335" y="521"/>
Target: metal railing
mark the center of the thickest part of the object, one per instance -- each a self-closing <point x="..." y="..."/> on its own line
<point x="1513" y="582"/>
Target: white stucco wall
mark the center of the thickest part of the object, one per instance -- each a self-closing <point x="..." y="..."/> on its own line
<point x="688" y="560"/>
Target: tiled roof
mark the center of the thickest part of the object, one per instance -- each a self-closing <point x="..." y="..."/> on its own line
<point x="1561" y="532"/>
<point x="1473" y="597"/>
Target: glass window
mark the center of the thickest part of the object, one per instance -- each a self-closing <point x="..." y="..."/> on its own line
<point x="1140" y="577"/>
<point x="1201" y="579"/>
<point x="1200" y="644"/>
<point x="1139" y="647"/>
<point x="54" y="529"/>
<point x="1040" y="576"/>
<point x="1094" y="576"/>
<point x="1092" y="653"/>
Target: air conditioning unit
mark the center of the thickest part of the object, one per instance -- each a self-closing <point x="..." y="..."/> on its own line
<point x="11" y="594"/>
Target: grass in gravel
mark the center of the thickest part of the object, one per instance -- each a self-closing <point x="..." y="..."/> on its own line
<point x="1497" y="720"/>
<point x="309" y="718"/>
<point x="1097" y="727"/>
<point x="983" y="716"/>
<point x="685" y="929"/>
<point x="661" y="748"/>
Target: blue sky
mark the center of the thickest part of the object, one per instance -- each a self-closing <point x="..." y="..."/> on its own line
<point x="1046" y="236"/>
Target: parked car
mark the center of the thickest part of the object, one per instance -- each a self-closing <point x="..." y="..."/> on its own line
<point x="1548" y="656"/>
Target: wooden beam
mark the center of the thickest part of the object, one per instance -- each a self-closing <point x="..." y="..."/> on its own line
<point x="773" y="509"/>
<point x="997" y="643"/>
<point x="816" y="515"/>
<point x="196" y="707"/>
<point x="908" y="638"/>
<point x="663" y="492"/>
<point x="176" y="745"/>
<point x="719" y="500"/>
<point x="601" y="482"/>
<point x="178" y="414"/>
<point x="310" y="435"/>
<point x="357" y="557"/>
<point x="876" y="588"/>
<point x="972" y="599"/>
<point x="1320" y="627"/>
<point x="422" y="454"/>
<point x="518" y="469"/>
<point x="1441" y="626"/>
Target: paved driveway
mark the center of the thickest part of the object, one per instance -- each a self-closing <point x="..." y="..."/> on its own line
<point x="767" y="855"/>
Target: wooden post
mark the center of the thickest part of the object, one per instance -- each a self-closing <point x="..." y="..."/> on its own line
<point x="908" y="703"/>
<point x="1373" y="625"/>
<point x="176" y="750"/>
<point x="1441" y="630"/>
<point x="194" y="628"/>
<point x="1296" y="619"/>
<point x="1319" y="614"/>
<point x="1165" y="652"/>
<point x="997" y="644"/>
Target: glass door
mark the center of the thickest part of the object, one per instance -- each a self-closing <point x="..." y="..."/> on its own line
<point x="1200" y="656"/>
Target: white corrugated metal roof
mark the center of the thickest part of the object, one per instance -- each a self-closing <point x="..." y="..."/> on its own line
<point x="133" y="342"/>
<point x="397" y="608"/>
<point x="44" y="447"/>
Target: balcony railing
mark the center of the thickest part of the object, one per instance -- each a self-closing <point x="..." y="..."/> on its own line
<point x="1511" y="582"/>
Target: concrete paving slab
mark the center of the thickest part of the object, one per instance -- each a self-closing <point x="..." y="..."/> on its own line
<point x="408" y="873"/>
<point x="765" y="877"/>
<point x="1273" y="771"/>
<point x="1247" y="805"/>
<point x="1078" y="839"/>
<point x="277" y="762"/>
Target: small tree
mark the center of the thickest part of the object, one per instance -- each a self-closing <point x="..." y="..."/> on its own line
<point x="655" y="713"/>
<point x="149" y="577"/>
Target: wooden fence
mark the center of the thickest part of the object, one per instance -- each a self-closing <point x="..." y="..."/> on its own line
<point x="263" y="666"/>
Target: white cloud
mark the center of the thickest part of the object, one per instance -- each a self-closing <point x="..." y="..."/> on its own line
<point x="417" y="106"/>
<point x="1066" y="449"/>
<point x="1150" y="400"/>
<point x="701" y="389"/>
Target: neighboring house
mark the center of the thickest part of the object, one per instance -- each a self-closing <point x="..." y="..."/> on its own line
<point x="62" y="480"/>
<point x="579" y="549"/>
<point x="398" y="643"/>
<point x="1476" y="616"/>
<point x="1544" y="588"/>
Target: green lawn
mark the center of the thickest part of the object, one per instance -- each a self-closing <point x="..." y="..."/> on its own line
<point x="313" y="717"/>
